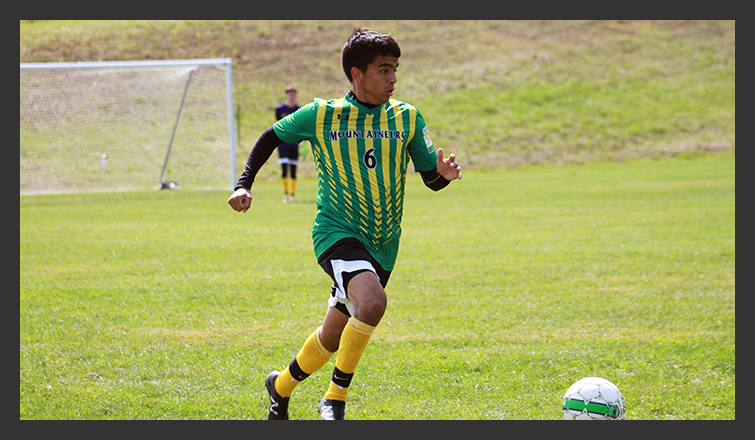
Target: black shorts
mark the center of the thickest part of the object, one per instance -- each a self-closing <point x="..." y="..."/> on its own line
<point x="288" y="153"/>
<point x="342" y="261"/>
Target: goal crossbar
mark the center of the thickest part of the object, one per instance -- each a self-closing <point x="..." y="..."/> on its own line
<point x="114" y="64"/>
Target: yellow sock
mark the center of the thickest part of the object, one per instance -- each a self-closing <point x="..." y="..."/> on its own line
<point x="292" y="186"/>
<point x="310" y="358"/>
<point x="285" y="185"/>
<point x="354" y="340"/>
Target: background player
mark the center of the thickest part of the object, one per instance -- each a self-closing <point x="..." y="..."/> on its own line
<point x="288" y="153"/>
<point x="362" y="144"/>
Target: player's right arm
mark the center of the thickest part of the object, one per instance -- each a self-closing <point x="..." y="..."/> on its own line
<point x="241" y="199"/>
<point x="292" y="128"/>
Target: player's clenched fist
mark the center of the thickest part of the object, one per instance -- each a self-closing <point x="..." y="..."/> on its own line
<point x="240" y="200"/>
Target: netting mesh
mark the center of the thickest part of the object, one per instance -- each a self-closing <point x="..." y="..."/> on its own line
<point x="118" y="129"/>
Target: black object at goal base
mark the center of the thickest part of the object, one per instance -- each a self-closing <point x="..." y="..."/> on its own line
<point x="171" y="185"/>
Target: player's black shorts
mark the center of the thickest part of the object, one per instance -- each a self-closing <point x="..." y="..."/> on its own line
<point x="288" y="153"/>
<point x="342" y="261"/>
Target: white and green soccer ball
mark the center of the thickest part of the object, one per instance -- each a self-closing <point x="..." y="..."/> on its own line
<point x="593" y="398"/>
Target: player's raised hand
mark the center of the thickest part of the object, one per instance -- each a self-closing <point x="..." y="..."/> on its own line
<point x="448" y="168"/>
<point x="240" y="200"/>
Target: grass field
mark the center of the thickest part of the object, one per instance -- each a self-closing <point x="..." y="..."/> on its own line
<point x="510" y="285"/>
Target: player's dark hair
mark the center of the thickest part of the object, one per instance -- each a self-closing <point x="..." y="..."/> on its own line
<point x="363" y="47"/>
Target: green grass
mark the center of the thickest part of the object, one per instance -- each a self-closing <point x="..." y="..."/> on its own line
<point x="510" y="285"/>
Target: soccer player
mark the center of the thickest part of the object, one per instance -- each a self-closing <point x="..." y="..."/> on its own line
<point x="362" y="144"/>
<point x="288" y="152"/>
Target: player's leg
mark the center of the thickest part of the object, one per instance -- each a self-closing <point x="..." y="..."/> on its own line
<point x="369" y="300"/>
<point x="293" y="162"/>
<point x="284" y="162"/>
<point x="292" y="180"/>
<point x="354" y="316"/>
<point x="316" y="351"/>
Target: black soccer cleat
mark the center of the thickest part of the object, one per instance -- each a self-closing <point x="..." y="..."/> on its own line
<point x="332" y="409"/>
<point x="278" y="405"/>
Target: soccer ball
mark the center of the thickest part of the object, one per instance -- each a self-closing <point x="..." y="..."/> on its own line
<point x="593" y="398"/>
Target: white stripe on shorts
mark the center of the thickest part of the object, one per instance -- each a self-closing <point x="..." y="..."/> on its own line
<point x="339" y="267"/>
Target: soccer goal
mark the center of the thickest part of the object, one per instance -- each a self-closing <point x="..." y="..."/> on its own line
<point x="127" y="125"/>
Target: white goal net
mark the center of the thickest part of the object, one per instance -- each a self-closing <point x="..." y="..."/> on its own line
<point x="121" y="126"/>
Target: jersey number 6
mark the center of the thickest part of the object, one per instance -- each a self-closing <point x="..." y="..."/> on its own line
<point x="370" y="161"/>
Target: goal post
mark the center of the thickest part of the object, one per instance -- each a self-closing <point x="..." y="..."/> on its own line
<point x="127" y="125"/>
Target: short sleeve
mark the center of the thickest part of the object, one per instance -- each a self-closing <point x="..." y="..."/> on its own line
<point x="297" y="126"/>
<point x="421" y="149"/>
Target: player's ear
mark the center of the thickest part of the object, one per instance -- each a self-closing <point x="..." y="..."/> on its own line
<point x="356" y="74"/>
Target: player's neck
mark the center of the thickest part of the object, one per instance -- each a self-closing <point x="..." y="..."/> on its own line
<point x="354" y="97"/>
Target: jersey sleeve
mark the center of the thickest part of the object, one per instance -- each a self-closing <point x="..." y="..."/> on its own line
<point x="421" y="149"/>
<point x="297" y="126"/>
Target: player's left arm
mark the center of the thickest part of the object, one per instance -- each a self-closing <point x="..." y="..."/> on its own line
<point x="422" y="154"/>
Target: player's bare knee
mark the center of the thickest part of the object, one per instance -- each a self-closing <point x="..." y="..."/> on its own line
<point x="372" y="308"/>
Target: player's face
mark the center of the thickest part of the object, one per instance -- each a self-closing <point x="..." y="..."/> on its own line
<point x="378" y="81"/>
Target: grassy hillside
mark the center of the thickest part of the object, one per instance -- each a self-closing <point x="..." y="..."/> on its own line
<point x="499" y="93"/>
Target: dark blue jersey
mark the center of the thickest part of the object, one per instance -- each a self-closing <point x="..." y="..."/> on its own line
<point x="281" y="112"/>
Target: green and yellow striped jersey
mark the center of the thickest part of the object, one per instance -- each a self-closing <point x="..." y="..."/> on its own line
<point x="362" y="157"/>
